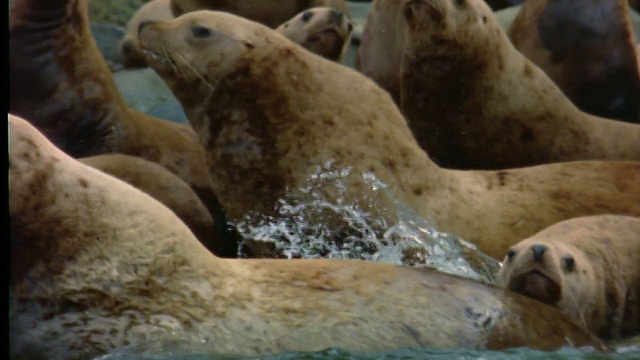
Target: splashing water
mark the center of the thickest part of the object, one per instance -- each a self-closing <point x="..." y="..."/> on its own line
<point x="324" y="224"/>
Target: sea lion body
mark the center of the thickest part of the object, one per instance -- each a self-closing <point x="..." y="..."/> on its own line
<point x="472" y="100"/>
<point x="97" y="265"/>
<point x="587" y="267"/>
<point x="128" y="46"/>
<point x="322" y="30"/>
<point x="270" y="13"/>
<point x="162" y="185"/>
<point x="587" y="48"/>
<point x="70" y="96"/>
<point x="269" y="114"/>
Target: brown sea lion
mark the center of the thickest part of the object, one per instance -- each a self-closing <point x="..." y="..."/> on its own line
<point x="270" y="113"/>
<point x="96" y="265"/>
<point x="472" y="100"/>
<point x="587" y="48"/>
<point x="163" y="186"/>
<point x="588" y="267"/>
<point x="128" y="46"/>
<point x="322" y="30"/>
<point x="60" y="82"/>
<point x="271" y="13"/>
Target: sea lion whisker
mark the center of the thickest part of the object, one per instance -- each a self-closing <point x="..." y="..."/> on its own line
<point x="186" y="63"/>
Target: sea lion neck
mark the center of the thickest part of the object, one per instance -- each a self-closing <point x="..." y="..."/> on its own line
<point x="48" y="42"/>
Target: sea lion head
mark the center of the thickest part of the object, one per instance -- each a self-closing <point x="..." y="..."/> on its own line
<point x="322" y="30"/>
<point x="197" y="49"/>
<point x="448" y="27"/>
<point x="554" y="272"/>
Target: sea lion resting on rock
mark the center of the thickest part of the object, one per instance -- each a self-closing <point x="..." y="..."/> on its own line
<point x="128" y="46"/>
<point x="587" y="267"/>
<point x="163" y="186"/>
<point x="270" y="113"/>
<point x="70" y="96"/>
<point x="271" y="13"/>
<point x="471" y="99"/>
<point x="322" y="30"/>
<point x="587" y="48"/>
<point x="96" y="265"/>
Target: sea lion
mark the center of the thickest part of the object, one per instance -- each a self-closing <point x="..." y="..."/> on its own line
<point x="128" y="46"/>
<point x="163" y="186"/>
<point x="472" y="100"/>
<point x="270" y="13"/>
<point x="270" y="113"/>
<point x="587" y="48"/>
<point x="322" y="30"/>
<point x="96" y="265"/>
<point x="587" y="267"/>
<point x="60" y="82"/>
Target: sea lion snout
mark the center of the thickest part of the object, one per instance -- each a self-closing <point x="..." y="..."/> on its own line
<point x="538" y="251"/>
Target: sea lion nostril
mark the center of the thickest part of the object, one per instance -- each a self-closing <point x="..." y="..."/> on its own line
<point x="538" y="251"/>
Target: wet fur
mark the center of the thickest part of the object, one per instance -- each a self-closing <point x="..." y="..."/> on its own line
<point x="106" y="266"/>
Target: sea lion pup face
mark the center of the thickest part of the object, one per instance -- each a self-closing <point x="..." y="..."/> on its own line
<point x="321" y="30"/>
<point x="555" y="273"/>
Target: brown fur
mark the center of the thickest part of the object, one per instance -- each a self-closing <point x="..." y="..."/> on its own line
<point x="269" y="113"/>
<point x="163" y="186"/>
<point x="587" y="48"/>
<point x="270" y="13"/>
<point x="321" y="30"/>
<point x="96" y="265"/>
<point x="60" y="83"/>
<point x="587" y="267"/>
<point x="128" y="46"/>
<point x="472" y="100"/>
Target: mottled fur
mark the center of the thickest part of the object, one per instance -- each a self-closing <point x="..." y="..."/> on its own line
<point x="97" y="265"/>
<point x="269" y="114"/>
<point x="471" y="99"/>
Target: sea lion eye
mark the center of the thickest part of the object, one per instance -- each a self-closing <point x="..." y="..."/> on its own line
<point x="568" y="263"/>
<point x="510" y="255"/>
<point x="307" y="15"/>
<point x="200" y="32"/>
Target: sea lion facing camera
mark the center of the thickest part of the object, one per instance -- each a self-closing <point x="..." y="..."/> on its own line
<point x="270" y="113"/>
<point x="587" y="267"/>
<point x="97" y="265"/>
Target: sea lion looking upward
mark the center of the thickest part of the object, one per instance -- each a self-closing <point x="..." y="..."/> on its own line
<point x="60" y="82"/>
<point x="322" y="30"/>
<point x="269" y="113"/>
<point x="587" y="48"/>
<point x="97" y="265"/>
<point x="472" y="100"/>
<point x="587" y="267"/>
